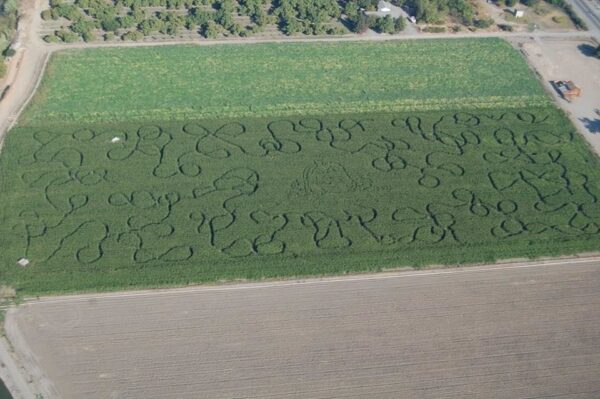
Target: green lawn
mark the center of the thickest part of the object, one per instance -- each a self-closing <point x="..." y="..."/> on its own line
<point x="182" y="82"/>
<point x="183" y="202"/>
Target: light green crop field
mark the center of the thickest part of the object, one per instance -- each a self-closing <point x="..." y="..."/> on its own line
<point x="182" y="82"/>
<point x="111" y="204"/>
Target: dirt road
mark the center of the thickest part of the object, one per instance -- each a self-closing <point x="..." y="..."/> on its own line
<point x="518" y="331"/>
<point x="26" y="69"/>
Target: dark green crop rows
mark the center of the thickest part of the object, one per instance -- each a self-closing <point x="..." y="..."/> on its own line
<point x="101" y="207"/>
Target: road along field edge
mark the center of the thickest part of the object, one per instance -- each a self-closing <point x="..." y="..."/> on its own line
<point x="24" y="376"/>
<point x="18" y="381"/>
<point x="11" y="120"/>
<point x="279" y="282"/>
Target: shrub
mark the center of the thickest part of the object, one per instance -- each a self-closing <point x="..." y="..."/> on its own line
<point x="109" y="36"/>
<point x="505" y="27"/>
<point x="434" y="29"/>
<point x="336" y="30"/>
<point x="9" y="52"/>
<point x="7" y="292"/>
<point x="50" y="39"/>
<point x="483" y="23"/>
<point x="67" y="36"/>
<point x="510" y="3"/>
<point x="539" y="10"/>
<point x="88" y="36"/>
<point x="530" y="3"/>
<point x="133" y="35"/>
<point x="47" y="15"/>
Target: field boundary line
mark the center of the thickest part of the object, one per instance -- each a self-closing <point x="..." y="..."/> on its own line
<point x="385" y="275"/>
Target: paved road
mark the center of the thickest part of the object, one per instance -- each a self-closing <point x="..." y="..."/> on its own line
<point x="590" y="15"/>
<point x="523" y="331"/>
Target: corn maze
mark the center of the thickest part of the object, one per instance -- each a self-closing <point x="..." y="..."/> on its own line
<point x="243" y="198"/>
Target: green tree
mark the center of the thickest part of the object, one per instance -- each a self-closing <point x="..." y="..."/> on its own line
<point x="385" y="24"/>
<point x="483" y="23"/>
<point x="360" y="23"/>
<point x="152" y="24"/>
<point x="82" y="26"/>
<point x="210" y="30"/>
<point x="126" y="21"/>
<point x="110" y="24"/>
<point x="133" y="35"/>
<point x="67" y="36"/>
<point x="9" y="7"/>
<point x="399" y="24"/>
<point x="351" y="9"/>
<point x="88" y="36"/>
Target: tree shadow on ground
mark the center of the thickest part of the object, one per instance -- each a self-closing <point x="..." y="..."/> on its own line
<point x="587" y="49"/>
<point x="593" y="125"/>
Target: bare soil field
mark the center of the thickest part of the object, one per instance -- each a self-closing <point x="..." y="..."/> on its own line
<point x="518" y="331"/>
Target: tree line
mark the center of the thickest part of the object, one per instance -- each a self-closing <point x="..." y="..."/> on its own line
<point x="8" y="25"/>
<point x="134" y="19"/>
